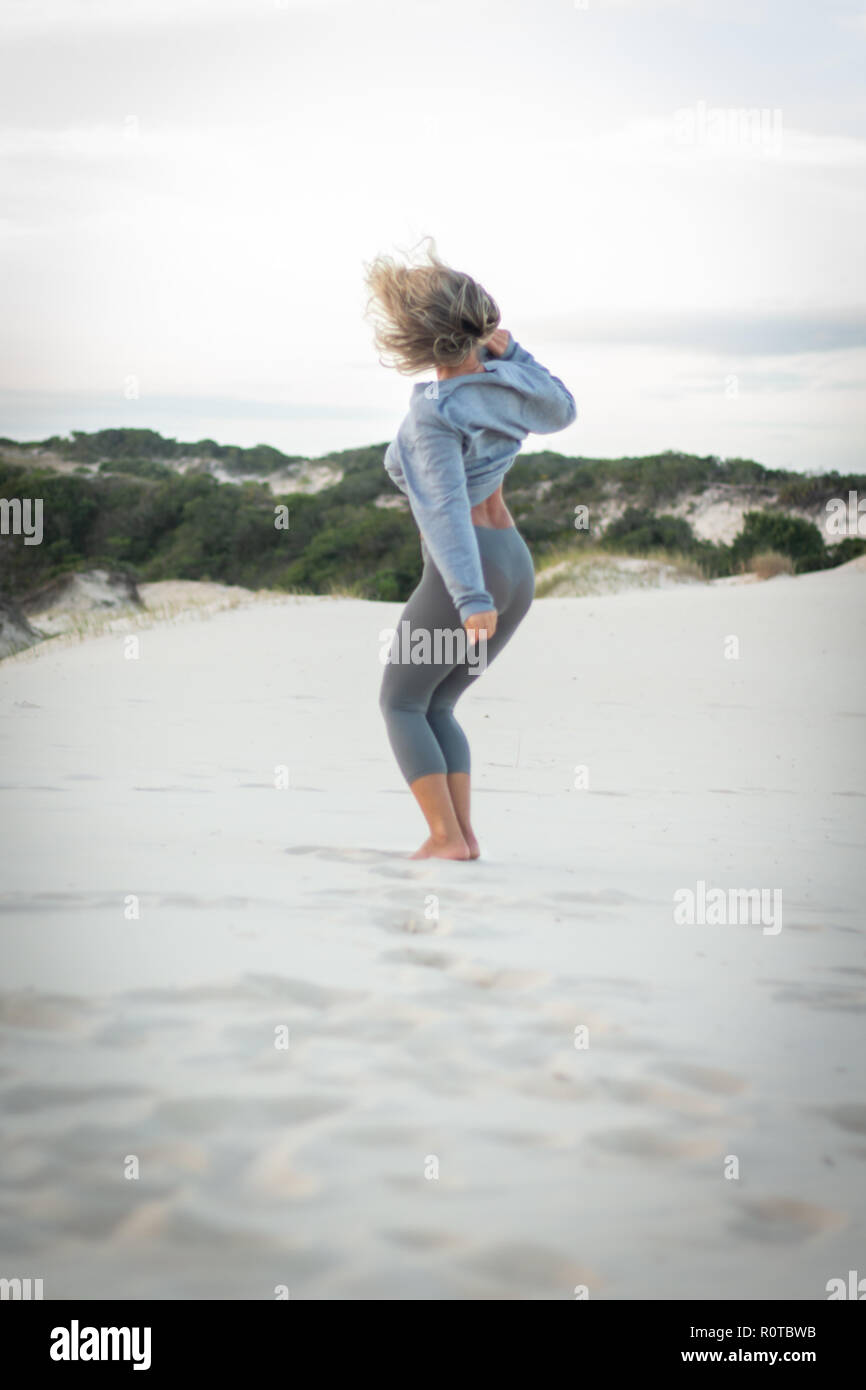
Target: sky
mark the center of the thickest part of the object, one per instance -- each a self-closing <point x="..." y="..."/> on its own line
<point x="667" y="199"/>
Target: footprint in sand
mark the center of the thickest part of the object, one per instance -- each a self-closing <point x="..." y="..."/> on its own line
<point x="485" y="978"/>
<point x="273" y="1175"/>
<point x="411" y="1141"/>
<point x="336" y="854"/>
<point x="38" y="902"/>
<point x="549" y="1083"/>
<point x="29" y="1100"/>
<point x="530" y="1267"/>
<point x="851" y="1118"/>
<point x="659" y="1097"/>
<point x="654" y="1143"/>
<point x="529" y="1139"/>
<point x="606" y="897"/>
<point x="196" y="1115"/>
<point x="834" y="998"/>
<point x="55" y="1013"/>
<point x="712" y="1079"/>
<point x="256" y="991"/>
<point x="785" y="1221"/>
<point x="410" y="955"/>
<point x="424" y="1240"/>
<point x="412" y="924"/>
<point x="404" y="868"/>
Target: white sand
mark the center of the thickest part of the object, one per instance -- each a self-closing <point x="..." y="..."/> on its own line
<point x="411" y="1037"/>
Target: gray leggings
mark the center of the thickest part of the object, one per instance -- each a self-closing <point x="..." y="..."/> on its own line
<point x="418" y="700"/>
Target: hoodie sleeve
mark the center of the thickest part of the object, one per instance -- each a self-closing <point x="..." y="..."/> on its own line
<point x="550" y="406"/>
<point x="435" y="482"/>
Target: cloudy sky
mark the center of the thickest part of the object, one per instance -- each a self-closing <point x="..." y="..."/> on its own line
<point x="190" y="189"/>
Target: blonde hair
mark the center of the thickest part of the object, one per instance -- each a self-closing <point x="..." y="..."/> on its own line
<point x="426" y="315"/>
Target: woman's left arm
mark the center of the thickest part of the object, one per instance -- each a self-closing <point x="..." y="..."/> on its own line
<point x="435" y="478"/>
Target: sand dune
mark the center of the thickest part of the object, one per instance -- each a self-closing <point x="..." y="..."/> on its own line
<point x="502" y="1080"/>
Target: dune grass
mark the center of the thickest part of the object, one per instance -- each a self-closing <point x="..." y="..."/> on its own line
<point x="769" y="563"/>
<point x="586" y="568"/>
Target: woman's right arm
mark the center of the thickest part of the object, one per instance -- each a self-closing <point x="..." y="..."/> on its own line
<point x="552" y="406"/>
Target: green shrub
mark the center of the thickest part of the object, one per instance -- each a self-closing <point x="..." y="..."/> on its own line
<point x="849" y="549"/>
<point x="137" y="468"/>
<point x="789" y="535"/>
<point x="638" y="529"/>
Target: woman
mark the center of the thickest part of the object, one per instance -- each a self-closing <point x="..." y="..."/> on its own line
<point x="461" y="435"/>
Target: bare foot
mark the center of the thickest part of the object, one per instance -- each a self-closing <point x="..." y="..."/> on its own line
<point x="443" y="849"/>
<point x="471" y="843"/>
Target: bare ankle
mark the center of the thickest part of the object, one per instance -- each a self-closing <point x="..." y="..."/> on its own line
<point x="443" y="849"/>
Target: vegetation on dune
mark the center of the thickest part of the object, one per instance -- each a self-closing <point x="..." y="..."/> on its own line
<point x="767" y="564"/>
<point x="137" y="468"/>
<point x="138" y="513"/>
<point x="800" y="540"/>
<point x="192" y="527"/>
<point x="641" y="530"/>
<point x="119" y="445"/>
<point x="798" y="490"/>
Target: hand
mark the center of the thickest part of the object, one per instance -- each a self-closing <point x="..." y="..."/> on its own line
<point x="480" y="624"/>
<point x="497" y="342"/>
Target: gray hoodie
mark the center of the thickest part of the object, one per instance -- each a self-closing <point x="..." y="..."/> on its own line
<point x="456" y="444"/>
